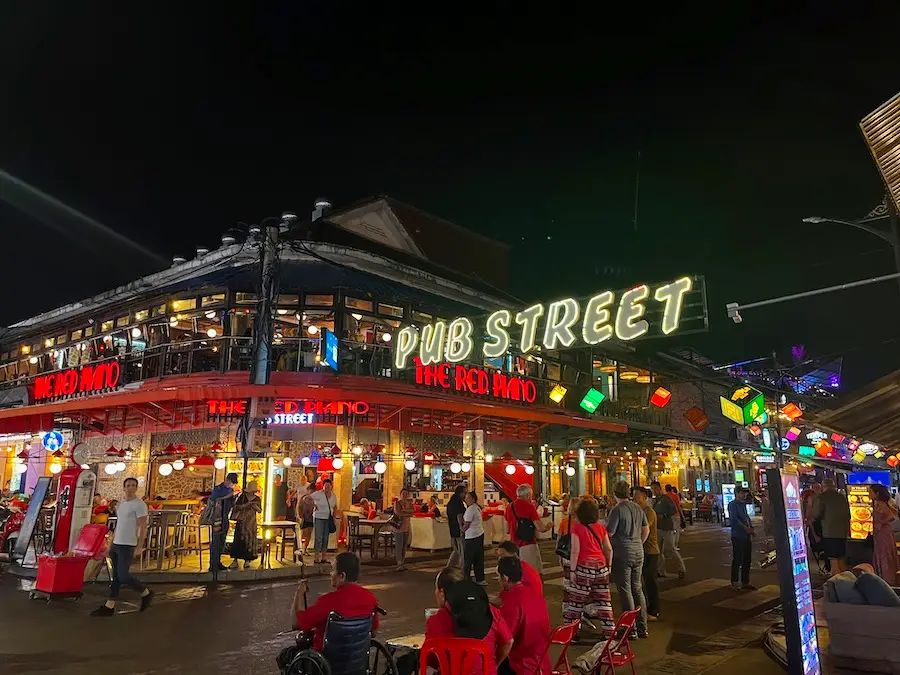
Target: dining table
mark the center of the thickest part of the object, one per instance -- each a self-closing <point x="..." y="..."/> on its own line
<point x="282" y="526"/>
<point x="376" y="524"/>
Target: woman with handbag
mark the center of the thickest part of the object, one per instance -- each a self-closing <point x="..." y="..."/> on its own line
<point x="323" y="520"/>
<point x="586" y="587"/>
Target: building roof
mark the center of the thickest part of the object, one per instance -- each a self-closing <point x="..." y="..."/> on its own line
<point x="871" y="413"/>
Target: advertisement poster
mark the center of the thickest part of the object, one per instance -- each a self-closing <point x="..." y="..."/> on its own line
<point x="727" y="498"/>
<point x="799" y="615"/>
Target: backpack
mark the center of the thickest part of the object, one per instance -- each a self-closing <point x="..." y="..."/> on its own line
<point x="212" y="512"/>
<point x="525" y="529"/>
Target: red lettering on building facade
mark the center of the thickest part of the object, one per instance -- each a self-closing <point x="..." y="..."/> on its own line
<point x="477" y="381"/>
<point x="84" y="380"/>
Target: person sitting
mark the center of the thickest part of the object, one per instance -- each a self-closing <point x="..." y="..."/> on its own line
<point x="348" y="599"/>
<point x="465" y="612"/>
<point x="432" y="507"/>
<point x="526" y="615"/>
<point x="530" y="577"/>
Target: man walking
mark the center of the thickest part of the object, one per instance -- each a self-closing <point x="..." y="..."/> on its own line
<point x="128" y="541"/>
<point x="628" y="530"/>
<point x="832" y="510"/>
<point x="455" y="510"/>
<point x="666" y="514"/>
<point x="741" y="538"/>
<point x="651" y="555"/>
<point x="672" y="493"/>
<point x="524" y="523"/>
<point x="216" y="514"/>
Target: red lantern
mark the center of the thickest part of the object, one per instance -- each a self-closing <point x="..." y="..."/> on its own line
<point x="823" y="448"/>
<point x="112" y="451"/>
<point x="696" y="418"/>
<point x="792" y="411"/>
<point x="755" y="429"/>
<point x="170" y="449"/>
<point x="661" y="397"/>
<point x="893" y="461"/>
<point x="216" y="447"/>
<point x="837" y="438"/>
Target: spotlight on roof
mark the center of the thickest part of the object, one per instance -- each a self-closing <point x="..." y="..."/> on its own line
<point x="228" y="240"/>
<point x="202" y="251"/>
<point x="255" y="230"/>
<point x="178" y="260"/>
<point x="320" y="207"/>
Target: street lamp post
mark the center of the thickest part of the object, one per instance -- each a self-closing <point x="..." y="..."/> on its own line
<point x="890" y="235"/>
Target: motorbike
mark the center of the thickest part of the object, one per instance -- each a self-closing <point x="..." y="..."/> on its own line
<point x="11" y="520"/>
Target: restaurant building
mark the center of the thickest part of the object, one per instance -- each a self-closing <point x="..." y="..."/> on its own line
<point x="396" y="358"/>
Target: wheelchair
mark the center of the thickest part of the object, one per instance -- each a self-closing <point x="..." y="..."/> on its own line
<point x="349" y="649"/>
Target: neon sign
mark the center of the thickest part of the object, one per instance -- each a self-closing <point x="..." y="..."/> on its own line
<point x="289" y="411"/>
<point x="476" y="381"/>
<point x="78" y="381"/>
<point x="640" y="311"/>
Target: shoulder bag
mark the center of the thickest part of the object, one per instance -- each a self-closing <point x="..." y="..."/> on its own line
<point x="332" y="526"/>
<point x="564" y="543"/>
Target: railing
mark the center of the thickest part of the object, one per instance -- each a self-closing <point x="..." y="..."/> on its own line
<point x="230" y="354"/>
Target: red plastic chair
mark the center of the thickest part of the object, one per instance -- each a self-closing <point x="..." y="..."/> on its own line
<point x="562" y="635"/>
<point x="617" y="650"/>
<point x="454" y="656"/>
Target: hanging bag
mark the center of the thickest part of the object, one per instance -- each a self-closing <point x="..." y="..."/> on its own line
<point x="332" y="526"/>
<point x="564" y="543"/>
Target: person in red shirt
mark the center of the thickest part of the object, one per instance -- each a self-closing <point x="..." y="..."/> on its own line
<point x="466" y="612"/>
<point x="348" y="599"/>
<point x="530" y="577"/>
<point x="679" y="526"/>
<point x="524" y="523"/>
<point x="528" y="619"/>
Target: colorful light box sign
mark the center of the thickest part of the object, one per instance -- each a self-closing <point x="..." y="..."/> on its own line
<point x="661" y="397"/>
<point x="592" y="400"/>
<point x="742" y="404"/>
<point x="807" y="451"/>
<point x="644" y="311"/>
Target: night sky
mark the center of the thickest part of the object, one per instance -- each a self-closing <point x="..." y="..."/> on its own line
<point x="169" y="127"/>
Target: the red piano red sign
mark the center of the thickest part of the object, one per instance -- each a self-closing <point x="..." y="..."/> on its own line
<point x="479" y="381"/>
<point x="84" y="380"/>
<point x="237" y="407"/>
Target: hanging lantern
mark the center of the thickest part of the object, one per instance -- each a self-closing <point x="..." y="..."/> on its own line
<point x="164" y="469"/>
<point x="337" y="463"/>
<point x="304" y="461"/>
<point x="859" y="456"/>
<point x="181" y="449"/>
<point x="529" y="469"/>
<point x="893" y="461"/>
<point x="755" y="429"/>
<point x="178" y="464"/>
<point x="488" y="457"/>
<point x="558" y="393"/>
<point x="335" y="449"/>
<point x="287" y="461"/>
<point x="823" y="447"/>
<point x="22" y="455"/>
<point x="852" y="445"/>
<point x="455" y="467"/>
<point x="792" y="411"/>
<point x="793" y="434"/>
<point x="837" y="438"/>
<point x="112" y="451"/>
<point x="410" y="465"/>
<point x="216" y="447"/>
<point x="55" y="468"/>
<point x="570" y="471"/>
<point x="742" y="403"/>
<point x="661" y="397"/>
<point x="466" y="467"/>
<point x="380" y="467"/>
<point x="510" y="469"/>
<point x="696" y="418"/>
<point x="170" y="449"/>
<point x="220" y="463"/>
<point x="204" y="460"/>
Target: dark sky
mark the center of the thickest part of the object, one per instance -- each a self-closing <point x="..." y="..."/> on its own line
<point x="169" y="125"/>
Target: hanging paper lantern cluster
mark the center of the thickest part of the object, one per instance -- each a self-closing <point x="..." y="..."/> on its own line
<point x="742" y="404"/>
<point x="824" y="448"/>
<point x="859" y="456"/>
<point x="893" y="461"/>
<point x="792" y="411"/>
<point x="661" y="397"/>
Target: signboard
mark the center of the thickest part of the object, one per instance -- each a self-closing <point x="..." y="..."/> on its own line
<point x="41" y="489"/>
<point x="742" y="404"/>
<point x="793" y="572"/>
<point x="861" y="524"/>
<point x="287" y="411"/>
<point x="807" y="451"/>
<point x="870" y="478"/>
<point x="727" y="498"/>
<point x="92" y="379"/>
<point x="699" y="485"/>
<point x="739" y="476"/>
<point x="329" y="349"/>
<point x="656" y="310"/>
<point x="478" y="381"/>
<point x="765" y="459"/>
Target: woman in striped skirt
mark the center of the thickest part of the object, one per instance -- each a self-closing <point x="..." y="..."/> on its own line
<point x="586" y="588"/>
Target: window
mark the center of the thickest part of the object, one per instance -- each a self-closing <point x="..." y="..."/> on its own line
<point x="390" y="310"/>
<point x="245" y="298"/>
<point x="122" y="321"/>
<point x="141" y="315"/>
<point x="76" y="334"/>
<point x="88" y="331"/>
<point x="319" y="300"/>
<point x="61" y="339"/>
<point x="421" y="317"/>
<point x="49" y="342"/>
<point x="290" y="300"/>
<point x="215" y="299"/>
<point x="184" y="304"/>
<point x="159" y="310"/>
<point x="36" y="347"/>
<point x="106" y="326"/>
<point x="355" y="303"/>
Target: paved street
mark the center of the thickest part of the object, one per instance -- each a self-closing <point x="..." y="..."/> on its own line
<point x="237" y="628"/>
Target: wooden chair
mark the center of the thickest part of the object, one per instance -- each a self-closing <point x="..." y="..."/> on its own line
<point x="357" y="541"/>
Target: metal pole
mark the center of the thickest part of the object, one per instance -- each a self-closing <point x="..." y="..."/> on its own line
<point x="895" y="240"/>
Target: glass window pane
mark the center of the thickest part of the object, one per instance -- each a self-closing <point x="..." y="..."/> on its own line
<point x="319" y="300"/>
<point x="292" y="300"/>
<point x="421" y="317"/>
<point x="88" y="331"/>
<point x="184" y="304"/>
<point x="60" y="339"/>
<point x="122" y="321"/>
<point x="215" y="299"/>
<point x="245" y="298"/>
<point x="76" y="334"/>
<point x="356" y="303"/>
<point x="141" y="315"/>
<point x="390" y="310"/>
<point x="106" y="325"/>
<point x="159" y="310"/>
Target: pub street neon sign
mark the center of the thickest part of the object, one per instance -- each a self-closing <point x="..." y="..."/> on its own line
<point x="77" y="381"/>
<point x="476" y="381"/>
<point x="556" y="325"/>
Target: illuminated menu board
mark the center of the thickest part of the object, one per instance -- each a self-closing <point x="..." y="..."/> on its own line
<point x="790" y="544"/>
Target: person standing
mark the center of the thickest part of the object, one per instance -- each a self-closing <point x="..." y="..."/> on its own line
<point x="128" y="541"/>
<point x="217" y="513"/>
<point x="666" y="514"/>
<point x="884" y="556"/>
<point x="246" y="506"/>
<point x="323" y="520"/>
<point x="455" y="510"/>
<point x="403" y="511"/>
<point x="832" y="510"/>
<point x="679" y="513"/>
<point x="524" y="523"/>
<point x="651" y="555"/>
<point x="305" y="508"/>
<point x="741" y="538"/>
<point x="628" y="530"/>
<point x="473" y="533"/>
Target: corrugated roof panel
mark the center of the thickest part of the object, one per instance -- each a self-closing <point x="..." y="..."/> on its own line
<point x="881" y="129"/>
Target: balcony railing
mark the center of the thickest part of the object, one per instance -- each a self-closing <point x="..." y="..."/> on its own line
<point x="229" y="354"/>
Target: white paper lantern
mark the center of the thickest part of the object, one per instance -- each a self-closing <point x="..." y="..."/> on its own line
<point x="466" y="467"/>
<point x="287" y="461"/>
<point x="488" y="457"/>
<point x="164" y="469"/>
<point x="110" y="469"/>
<point x="410" y="465"/>
<point x="337" y="463"/>
<point x="305" y="461"/>
<point x="120" y="466"/>
<point x="455" y="467"/>
<point x="529" y="469"/>
<point x="212" y="332"/>
<point x="380" y="467"/>
<point x="570" y="470"/>
<point x="178" y="464"/>
<point x="220" y="463"/>
<point x="510" y="469"/>
<point x="55" y="468"/>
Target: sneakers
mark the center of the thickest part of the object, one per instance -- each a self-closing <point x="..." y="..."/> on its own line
<point x="103" y="610"/>
<point x="146" y="600"/>
<point x="643" y="634"/>
<point x="748" y="587"/>
<point x="736" y="586"/>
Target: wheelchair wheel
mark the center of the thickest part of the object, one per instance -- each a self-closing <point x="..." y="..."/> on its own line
<point x="308" y="662"/>
<point x="381" y="661"/>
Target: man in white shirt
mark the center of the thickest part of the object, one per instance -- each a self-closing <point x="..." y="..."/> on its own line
<point x="128" y="541"/>
<point x="473" y="544"/>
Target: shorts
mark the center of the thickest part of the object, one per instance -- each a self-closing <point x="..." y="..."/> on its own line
<point x="834" y="548"/>
<point x="307" y="525"/>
